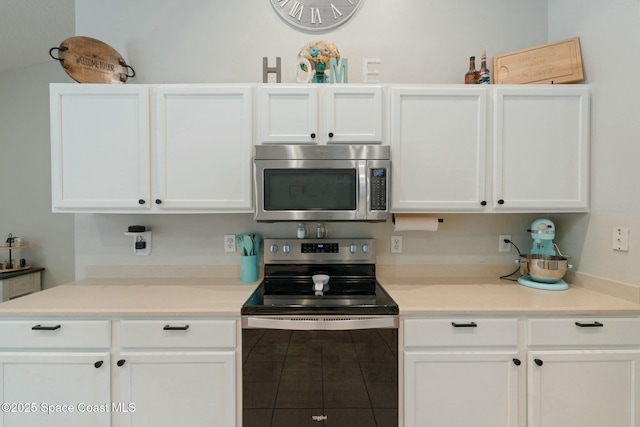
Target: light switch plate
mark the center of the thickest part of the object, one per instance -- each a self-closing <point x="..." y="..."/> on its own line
<point x="620" y="239"/>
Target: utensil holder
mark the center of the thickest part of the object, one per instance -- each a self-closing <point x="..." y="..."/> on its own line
<point x="249" y="268"/>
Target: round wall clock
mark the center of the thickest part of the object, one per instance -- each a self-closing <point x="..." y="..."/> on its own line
<point x="315" y="15"/>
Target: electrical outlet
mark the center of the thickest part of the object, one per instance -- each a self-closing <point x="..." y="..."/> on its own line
<point x="229" y="242"/>
<point x="396" y="244"/>
<point x="502" y="245"/>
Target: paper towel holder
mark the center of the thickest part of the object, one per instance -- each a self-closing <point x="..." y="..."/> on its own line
<point x="393" y="219"/>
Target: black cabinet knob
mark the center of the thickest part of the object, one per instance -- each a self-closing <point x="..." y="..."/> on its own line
<point x="158" y="201"/>
<point x="141" y="202"/>
<point x="538" y="362"/>
<point x="501" y="202"/>
<point x="98" y="363"/>
<point x="517" y="362"/>
<point x="483" y="203"/>
<point x="120" y="362"/>
<point x="330" y="134"/>
<point x="313" y="135"/>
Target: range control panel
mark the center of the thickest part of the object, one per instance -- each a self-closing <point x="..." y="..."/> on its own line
<point x="321" y="251"/>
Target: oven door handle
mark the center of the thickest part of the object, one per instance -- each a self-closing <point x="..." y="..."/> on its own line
<point x="314" y="323"/>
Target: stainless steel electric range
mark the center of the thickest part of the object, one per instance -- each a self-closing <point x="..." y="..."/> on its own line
<point x="320" y="338"/>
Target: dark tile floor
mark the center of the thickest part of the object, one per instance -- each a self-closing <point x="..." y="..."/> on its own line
<point x="320" y="378"/>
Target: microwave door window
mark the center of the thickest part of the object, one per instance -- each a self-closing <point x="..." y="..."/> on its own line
<point x="305" y="189"/>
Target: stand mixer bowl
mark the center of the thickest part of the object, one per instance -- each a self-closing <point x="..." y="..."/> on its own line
<point x="544" y="268"/>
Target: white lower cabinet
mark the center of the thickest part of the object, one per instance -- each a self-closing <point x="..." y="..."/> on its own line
<point x="118" y="373"/>
<point x="460" y="373"/>
<point x="55" y="373"/>
<point x="168" y="388"/>
<point x="584" y="372"/>
<point x="175" y="372"/>
<point x="584" y="388"/>
<point x="459" y="389"/>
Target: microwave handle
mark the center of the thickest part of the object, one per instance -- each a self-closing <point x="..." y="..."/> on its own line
<point x="363" y="189"/>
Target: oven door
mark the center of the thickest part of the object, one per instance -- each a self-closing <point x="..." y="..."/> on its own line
<point x="303" y="371"/>
<point x="310" y="190"/>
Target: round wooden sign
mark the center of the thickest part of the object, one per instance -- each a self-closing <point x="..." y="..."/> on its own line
<point x="88" y="60"/>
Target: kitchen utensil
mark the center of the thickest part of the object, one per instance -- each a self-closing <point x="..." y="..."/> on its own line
<point x="256" y="244"/>
<point x="543" y="268"/>
<point x="247" y="245"/>
<point x="87" y="60"/>
<point x="558" y="62"/>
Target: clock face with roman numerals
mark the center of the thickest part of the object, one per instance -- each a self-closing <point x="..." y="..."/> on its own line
<point x="315" y="15"/>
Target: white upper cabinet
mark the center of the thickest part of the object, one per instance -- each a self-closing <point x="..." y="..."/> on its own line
<point x="541" y="149"/>
<point x="292" y="114"/>
<point x="203" y="148"/>
<point x="538" y="162"/>
<point x="196" y="159"/>
<point x="288" y="114"/>
<point x="352" y="114"/>
<point x="438" y="148"/>
<point x="99" y="147"/>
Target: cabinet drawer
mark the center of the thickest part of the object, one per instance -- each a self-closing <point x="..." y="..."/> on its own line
<point x="54" y="333"/>
<point x="584" y="331"/>
<point x="177" y="333"/>
<point x="460" y="332"/>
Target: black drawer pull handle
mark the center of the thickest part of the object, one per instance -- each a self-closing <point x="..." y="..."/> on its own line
<point x="98" y="364"/>
<point x="464" y="325"/>
<point x="538" y="362"/>
<point x="175" y="328"/>
<point x="46" y="328"/>
<point x="590" y="325"/>
<point x="517" y="362"/>
<point x="120" y="362"/>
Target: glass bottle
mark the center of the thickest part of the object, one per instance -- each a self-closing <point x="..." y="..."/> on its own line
<point x="472" y="76"/>
<point x="484" y="71"/>
<point x="321" y="231"/>
<point x="301" y="231"/>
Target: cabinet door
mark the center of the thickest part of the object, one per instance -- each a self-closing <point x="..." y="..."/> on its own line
<point x="352" y="114"/>
<point x="55" y="389"/>
<point x="438" y="144"/>
<point x="99" y="147"/>
<point x="195" y="389"/>
<point x="461" y="389"/>
<point x="18" y="286"/>
<point x="584" y="388"/>
<point x="288" y="114"/>
<point x="203" y="150"/>
<point x="540" y="149"/>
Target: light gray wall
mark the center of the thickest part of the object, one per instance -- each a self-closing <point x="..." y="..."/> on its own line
<point x="25" y="185"/>
<point x="610" y="39"/>
<point x="419" y="41"/>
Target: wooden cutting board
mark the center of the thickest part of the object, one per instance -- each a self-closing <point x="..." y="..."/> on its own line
<point x="87" y="60"/>
<point x="558" y="62"/>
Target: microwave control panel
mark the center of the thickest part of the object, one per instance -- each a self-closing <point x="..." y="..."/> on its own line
<point x="378" y="189"/>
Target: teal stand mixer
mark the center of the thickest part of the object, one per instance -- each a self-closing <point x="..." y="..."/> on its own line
<point x="543" y="268"/>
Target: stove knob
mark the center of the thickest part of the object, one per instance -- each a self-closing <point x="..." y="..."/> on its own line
<point x="273" y="248"/>
<point x="286" y="248"/>
<point x="353" y="249"/>
<point x="365" y="248"/>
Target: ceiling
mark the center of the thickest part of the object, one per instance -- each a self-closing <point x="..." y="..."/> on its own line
<point x="29" y="28"/>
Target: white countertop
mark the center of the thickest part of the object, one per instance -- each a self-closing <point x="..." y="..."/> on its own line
<point x="130" y="297"/>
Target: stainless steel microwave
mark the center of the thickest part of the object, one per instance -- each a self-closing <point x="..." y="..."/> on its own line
<point x="322" y="183"/>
